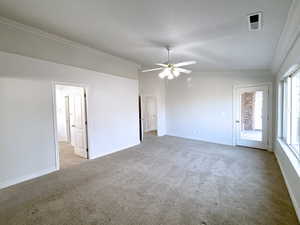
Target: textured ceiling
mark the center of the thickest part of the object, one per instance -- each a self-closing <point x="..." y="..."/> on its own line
<point x="212" y="32"/>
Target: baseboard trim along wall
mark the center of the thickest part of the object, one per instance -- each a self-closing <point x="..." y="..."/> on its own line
<point x="10" y="182"/>
<point x="193" y="138"/>
<point x="291" y="193"/>
<point x="115" y="151"/>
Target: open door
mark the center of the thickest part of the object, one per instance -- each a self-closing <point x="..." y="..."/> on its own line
<point x="150" y="114"/>
<point x="78" y="122"/>
<point x="71" y="121"/>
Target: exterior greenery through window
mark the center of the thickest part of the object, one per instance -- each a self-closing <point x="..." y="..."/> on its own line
<point x="291" y="111"/>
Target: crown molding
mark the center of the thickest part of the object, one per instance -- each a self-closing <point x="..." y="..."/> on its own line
<point x="288" y="38"/>
<point x="66" y="42"/>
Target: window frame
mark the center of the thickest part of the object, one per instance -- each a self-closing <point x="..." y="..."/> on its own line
<point x="286" y="110"/>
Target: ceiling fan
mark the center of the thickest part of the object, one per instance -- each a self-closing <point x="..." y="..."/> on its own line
<point x="171" y="70"/>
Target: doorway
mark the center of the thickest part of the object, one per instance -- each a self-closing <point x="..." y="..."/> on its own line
<point x="252" y="120"/>
<point x="149" y="115"/>
<point x="71" y="118"/>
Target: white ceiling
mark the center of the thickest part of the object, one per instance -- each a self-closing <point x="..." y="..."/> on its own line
<point x="213" y="32"/>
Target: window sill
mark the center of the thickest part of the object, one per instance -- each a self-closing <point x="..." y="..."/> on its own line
<point x="290" y="155"/>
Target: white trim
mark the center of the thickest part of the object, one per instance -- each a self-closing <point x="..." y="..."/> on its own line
<point x="38" y="32"/>
<point x="284" y="45"/>
<point x="288" y="153"/>
<point x="114" y="151"/>
<point x="85" y="87"/>
<point x="141" y="111"/>
<point x="291" y="71"/>
<point x="270" y="110"/>
<point x="193" y="138"/>
<point x="252" y="85"/>
<point x="234" y="115"/>
<point x="57" y="166"/>
<point x="14" y="181"/>
<point x="279" y="109"/>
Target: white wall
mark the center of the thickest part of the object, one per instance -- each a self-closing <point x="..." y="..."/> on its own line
<point x="27" y="146"/>
<point x="27" y="92"/>
<point x="151" y="85"/>
<point x="288" y="54"/>
<point x="61" y="115"/>
<point x="200" y="106"/>
<point x="25" y="40"/>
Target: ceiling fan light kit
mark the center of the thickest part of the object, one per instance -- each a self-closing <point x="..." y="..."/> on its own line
<point x="169" y="73"/>
<point x="171" y="70"/>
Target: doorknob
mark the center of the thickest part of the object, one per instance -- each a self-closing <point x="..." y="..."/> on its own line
<point x="237" y="121"/>
<point x="73" y="125"/>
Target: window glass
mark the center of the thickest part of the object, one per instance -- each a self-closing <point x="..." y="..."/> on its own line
<point x="251" y="115"/>
<point x="286" y="109"/>
<point x="295" y="113"/>
<point x="291" y="112"/>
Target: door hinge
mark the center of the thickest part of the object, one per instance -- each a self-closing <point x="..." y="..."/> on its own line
<point x="85" y="122"/>
<point x="84" y="95"/>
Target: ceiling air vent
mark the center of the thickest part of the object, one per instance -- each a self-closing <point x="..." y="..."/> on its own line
<point x="255" y="21"/>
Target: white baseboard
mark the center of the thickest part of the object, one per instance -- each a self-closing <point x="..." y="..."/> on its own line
<point x="199" y="139"/>
<point x="116" y="150"/>
<point x="10" y="182"/>
<point x="291" y="193"/>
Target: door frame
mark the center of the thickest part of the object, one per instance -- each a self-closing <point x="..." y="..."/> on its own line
<point x="56" y="144"/>
<point x="270" y="111"/>
<point x="68" y="124"/>
<point x="141" y="119"/>
<point x="143" y="97"/>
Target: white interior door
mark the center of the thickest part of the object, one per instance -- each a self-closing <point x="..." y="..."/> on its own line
<point x="68" y="124"/>
<point x="78" y="122"/>
<point x="252" y="117"/>
<point x="150" y="117"/>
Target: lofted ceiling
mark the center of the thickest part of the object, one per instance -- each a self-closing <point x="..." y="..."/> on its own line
<point x="212" y="32"/>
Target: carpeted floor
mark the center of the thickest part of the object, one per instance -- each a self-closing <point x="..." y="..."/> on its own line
<point x="67" y="157"/>
<point x="165" y="180"/>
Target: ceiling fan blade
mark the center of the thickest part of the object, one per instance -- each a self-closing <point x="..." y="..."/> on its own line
<point x="181" y="70"/>
<point x="144" y="71"/>
<point x="162" y="65"/>
<point x="185" y="63"/>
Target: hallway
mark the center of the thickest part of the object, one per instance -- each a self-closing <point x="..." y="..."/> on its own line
<point x="67" y="157"/>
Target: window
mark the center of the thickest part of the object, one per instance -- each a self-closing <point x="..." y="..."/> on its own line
<point x="291" y="112"/>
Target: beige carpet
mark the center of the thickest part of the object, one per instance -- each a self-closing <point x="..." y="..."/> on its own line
<point x="165" y="180"/>
<point x="67" y="157"/>
<point x="150" y="133"/>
